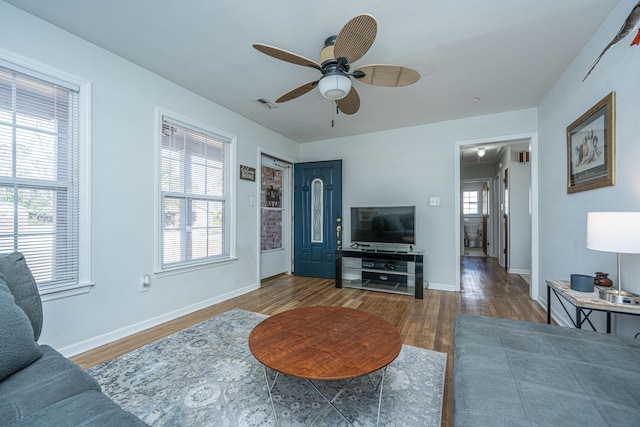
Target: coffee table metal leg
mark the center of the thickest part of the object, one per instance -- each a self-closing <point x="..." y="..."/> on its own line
<point x="330" y="402"/>
<point x="269" y="389"/>
<point x="381" y="385"/>
<point x="271" y="385"/>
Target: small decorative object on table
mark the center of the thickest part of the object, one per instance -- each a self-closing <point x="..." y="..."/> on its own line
<point x="602" y="279"/>
<point x="581" y="283"/>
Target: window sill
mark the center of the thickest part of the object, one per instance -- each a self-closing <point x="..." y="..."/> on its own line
<point x="171" y="271"/>
<point x="50" y="293"/>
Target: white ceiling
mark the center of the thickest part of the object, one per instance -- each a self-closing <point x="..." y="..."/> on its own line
<point x="469" y="155"/>
<point x="506" y="53"/>
<point x="493" y="153"/>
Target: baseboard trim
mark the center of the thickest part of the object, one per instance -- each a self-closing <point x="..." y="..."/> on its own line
<point x="556" y="315"/>
<point x="92" y="343"/>
<point x="519" y="271"/>
<point x="439" y="287"/>
<point x="560" y="319"/>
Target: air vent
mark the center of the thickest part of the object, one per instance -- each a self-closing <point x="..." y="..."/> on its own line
<point x="267" y="104"/>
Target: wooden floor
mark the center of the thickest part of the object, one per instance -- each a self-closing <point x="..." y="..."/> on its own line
<point x="428" y="323"/>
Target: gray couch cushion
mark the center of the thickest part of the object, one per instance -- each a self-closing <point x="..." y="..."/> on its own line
<point x="511" y="373"/>
<point x="50" y="379"/>
<point x="24" y="288"/>
<point x="18" y="349"/>
<point x="90" y="408"/>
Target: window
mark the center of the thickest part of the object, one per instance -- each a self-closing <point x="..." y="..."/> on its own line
<point x="196" y="199"/>
<point x="317" y="211"/>
<point x="39" y="176"/>
<point x="470" y="203"/>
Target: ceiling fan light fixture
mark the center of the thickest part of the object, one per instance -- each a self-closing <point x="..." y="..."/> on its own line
<point x="334" y="86"/>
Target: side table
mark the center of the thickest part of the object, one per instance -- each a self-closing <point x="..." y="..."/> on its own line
<point x="585" y="303"/>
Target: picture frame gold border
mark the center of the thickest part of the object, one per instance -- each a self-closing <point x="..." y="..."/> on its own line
<point x="605" y="106"/>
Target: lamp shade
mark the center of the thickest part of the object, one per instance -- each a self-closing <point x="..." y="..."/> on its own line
<point x="614" y="232"/>
<point x="334" y="86"/>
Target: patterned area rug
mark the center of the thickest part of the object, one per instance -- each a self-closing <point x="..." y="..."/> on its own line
<point x="206" y="376"/>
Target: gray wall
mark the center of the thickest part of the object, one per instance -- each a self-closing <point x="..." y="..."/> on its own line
<point x="563" y="216"/>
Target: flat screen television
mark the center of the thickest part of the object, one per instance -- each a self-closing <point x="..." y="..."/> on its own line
<point x="383" y="224"/>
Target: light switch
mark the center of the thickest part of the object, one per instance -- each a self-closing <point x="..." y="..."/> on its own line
<point x="434" y="201"/>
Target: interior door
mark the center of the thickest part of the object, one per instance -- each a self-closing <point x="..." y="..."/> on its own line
<point x="485" y="215"/>
<point x="506" y="219"/>
<point x="317" y="200"/>
<point x="275" y="217"/>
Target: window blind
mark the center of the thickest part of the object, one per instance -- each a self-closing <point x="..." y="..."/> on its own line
<point x="195" y="195"/>
<point x="39" y="175"/>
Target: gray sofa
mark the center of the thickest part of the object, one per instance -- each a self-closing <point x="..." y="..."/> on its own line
<point x="514" y="373"/>
<point x="39" y="386"/>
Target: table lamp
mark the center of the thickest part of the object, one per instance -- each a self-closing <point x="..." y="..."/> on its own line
<point x="617" y="232"/>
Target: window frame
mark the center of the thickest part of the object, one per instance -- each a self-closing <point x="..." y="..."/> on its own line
<point x="160" y="270"/>
<point x="467" y="203"/>
<point x="84" y="282"/>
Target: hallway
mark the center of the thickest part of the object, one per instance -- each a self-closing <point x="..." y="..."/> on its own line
<point x="487" y="289"/>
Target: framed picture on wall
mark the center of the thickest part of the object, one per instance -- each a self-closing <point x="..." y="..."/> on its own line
<point x="591" y="148"/>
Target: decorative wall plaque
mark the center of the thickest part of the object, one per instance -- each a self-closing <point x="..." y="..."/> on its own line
<point x="247" y="173"/>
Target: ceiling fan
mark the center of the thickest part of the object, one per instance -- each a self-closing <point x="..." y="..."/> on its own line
<point x="339" y="52"/>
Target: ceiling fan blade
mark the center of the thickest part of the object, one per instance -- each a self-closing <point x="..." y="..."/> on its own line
<point x="285" y="55"/>
<point x="350" y="104"/>
<point x="299" y="91"/>
<point x="356" y="37"/>
<point x="388" y="75"/>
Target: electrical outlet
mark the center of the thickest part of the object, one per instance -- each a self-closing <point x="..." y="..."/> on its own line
<point x="144" y="283"/>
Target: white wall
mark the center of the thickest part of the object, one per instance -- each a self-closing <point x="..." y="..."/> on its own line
<point x="519" y="212"/>
<point x="406" y="166"/>
<point x="124" y="98"/>
<point x="563" y="216"/>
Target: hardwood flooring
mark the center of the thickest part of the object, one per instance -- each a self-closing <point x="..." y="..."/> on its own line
<point x="486" y="289"/>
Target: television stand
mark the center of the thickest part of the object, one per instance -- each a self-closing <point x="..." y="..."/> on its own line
<point x="399" y="272"/>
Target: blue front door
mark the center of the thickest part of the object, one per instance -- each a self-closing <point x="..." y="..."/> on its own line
<point x="317" y="211"/>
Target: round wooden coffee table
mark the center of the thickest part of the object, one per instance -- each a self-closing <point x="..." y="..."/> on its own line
<point x="325" y="343"/>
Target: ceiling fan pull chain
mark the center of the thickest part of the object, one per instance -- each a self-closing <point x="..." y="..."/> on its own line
<point x="333" y="114"/>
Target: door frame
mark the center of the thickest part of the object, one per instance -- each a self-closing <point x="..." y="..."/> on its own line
<point x="255" y="202"/>
<point x="486" y="211"/>
<point x="505" y="217"/>
<point x="535" y="244"/>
